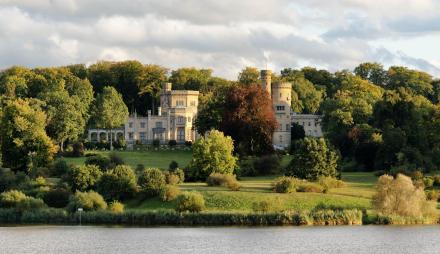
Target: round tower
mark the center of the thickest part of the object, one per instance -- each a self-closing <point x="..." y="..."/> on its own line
<point x="266" y="80"/>
<point x="281" y="99"/>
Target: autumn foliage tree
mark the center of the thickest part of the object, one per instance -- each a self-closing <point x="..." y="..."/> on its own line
<point x="249" y="119"/>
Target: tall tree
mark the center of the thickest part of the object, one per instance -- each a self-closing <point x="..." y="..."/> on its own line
<point x="249" y="76"/>
<point x="373" y="72"/>
<point x="249" y="119"/>
<point x="190" y="78"/>
<point x="150" y="83"/>
<point x="24" y="143"/>
<point x="110" y="111"/>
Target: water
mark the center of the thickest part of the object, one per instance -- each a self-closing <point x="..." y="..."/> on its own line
<point x="347" y="239"/>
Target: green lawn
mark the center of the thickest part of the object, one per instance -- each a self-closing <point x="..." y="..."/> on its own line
<point x="153" y="159"/>
<point x="357" y="194"/>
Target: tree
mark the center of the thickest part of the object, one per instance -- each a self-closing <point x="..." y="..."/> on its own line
<point x="249" y="119"/>
<point x="150" y="82"/>
<point x="84" y="177"/>
<point x="24" y="142"/>
<point x="190" y="78"/>
<point x="297" y="132"/>
<point x="249" y="76"/>
<point x="110" y="111"/>
<point x="312" y="159"/>
<point x="213" y="154"/>
<point x="118" y="183"/>
<point x="399" y="196"/>
<point x="372" y="72"/>
<point x="417" y="81"/>
<point x="152" y="181"/>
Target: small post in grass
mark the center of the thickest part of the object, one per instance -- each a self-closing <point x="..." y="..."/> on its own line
<point x="80" y="212"/>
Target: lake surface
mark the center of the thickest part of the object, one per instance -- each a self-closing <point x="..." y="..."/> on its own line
<point x="342" y="239"/>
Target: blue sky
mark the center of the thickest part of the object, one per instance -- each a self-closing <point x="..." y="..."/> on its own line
<point x="223" y="35"/>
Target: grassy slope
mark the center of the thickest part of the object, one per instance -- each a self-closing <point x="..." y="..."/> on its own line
<point x="356" y="195"/>
<point x="158" y="159"/>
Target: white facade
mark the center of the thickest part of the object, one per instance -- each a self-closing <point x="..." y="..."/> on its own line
<point x="311" y="124"/>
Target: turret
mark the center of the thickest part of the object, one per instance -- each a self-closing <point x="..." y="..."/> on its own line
<point x="167" y="87"/>
<point x="266" y="80"/>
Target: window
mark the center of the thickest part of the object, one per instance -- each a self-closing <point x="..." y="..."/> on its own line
<point x="189" y="119"/>
<point x="287" y="127"/>
<point x="181" y="134"/>
<point x="130" y="135"/>
<point x="158" y="124"/>
<point x="142" y="125"/>
<point x="281" y="95"/>
<point x="310" y="124"/>
<point x="193" y="103"/>
<point x="181" y="119"/>
<point x="142" y="135"/>
<point x="130" y="125"/>
<point x="281" y="138"/>
<point x="180" y="103"/>
<point x="280" y="108"/>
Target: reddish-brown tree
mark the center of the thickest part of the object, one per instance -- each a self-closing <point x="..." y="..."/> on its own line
<point x="249" y="119"/>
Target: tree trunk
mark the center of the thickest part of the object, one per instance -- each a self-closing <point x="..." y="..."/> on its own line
<point x="111" y="140"/>
<point x="62" y="146"/>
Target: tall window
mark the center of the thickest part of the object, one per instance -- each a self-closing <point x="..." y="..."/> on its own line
<point x="142" y="125"/>
<point x="130" y="125"/>
<point x="158" y="124"/>
<point x="181" y="134"/>
<point x="287" y="127"/>
<point x="130" y="135"/>
<point x="180" y="119"/>
<point x="180" y="103"/>
<point x="142" y="136"/>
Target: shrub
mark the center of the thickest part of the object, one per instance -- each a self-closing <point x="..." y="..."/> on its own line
<point x="417" y="175"/>
<point x="180" y="173"/>
<point x="169" y="193"/>
<point x="329" y="183"/>
<point x="151" y="181"/>
<point x="172" y="143"/>
<point x="173" y="165"/>
<point x="156" y="143"/>
<point x="120" y="143"/>
<point x="217" y="179"/>
<point x="78" y="149"/>
<point x="118" y="183"/>
<point x="11" y="198"/>
<point x="285" y="184"/>
<point x="58" y="198"/>
<point x="267" y="164"/>
<point x="30" y="203"/>
<point x="188" y="143"/>
<point x="432" y="195"/>
<point x="213" y="154"/>
<point x="102" y="162"/>
<point x="60" y="168"/>
<point x="265" y="206"/>
<point x="171" y="178"/>
<point x="399" y="196"/>
<point x="89" y="201"/>
<point x="190" y="201"/>
<point x="309" y="187"/>
<point x="116" y="160"/>
<point x="7" y="179"/>
<point x="436" y="180"/>
<point x="84" y="177"/>
<point x="116" y="207"/>
<point x="139" y="169"/>
<point x="313" y="159"/>
<point x="246" y="168"/>
<point x="233" y="185"/>
<point x="428" y="182"/>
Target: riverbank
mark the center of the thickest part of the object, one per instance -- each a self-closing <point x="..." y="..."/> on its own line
<point x="170" y="218"/>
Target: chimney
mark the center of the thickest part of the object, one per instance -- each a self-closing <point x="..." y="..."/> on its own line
<point x="266" y="80"/>
<point x="159" y="111"/>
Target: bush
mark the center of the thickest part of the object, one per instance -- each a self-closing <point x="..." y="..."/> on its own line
<point x="436" y="180"/>
<point x="116" y="160"/>
<point x="399" y="196"/>
<point x="139" y="169"/>
<point x="19" y="201"/>
<point x="60" y="168"/>
<point x="329" y="183"/>
<point x="118" y="183"/>
<point x="217" y="179"/>
<point x="285" y="184"/>
<point x="169" y="193"/>
<point x="89" y="201"/>
<point x="156" y="143"/>
<point x="310" y="187"/>
<point x="246" y="168"/>
<point x="102" y="162"/>
<point x="180" y="173"/>
<point x="171" y="178"/>
<point x="432" y="195"/>
<point x="116" y="207"/>
<point x="188" y="143"/>
<point x="58" y="198"/>
<point x="267" y="164"/>
<point x="428" y="182"/>
<point x="120" y="144"/>
<point x="173" y="165"/>
<point x="8" y="179"/>
<point x="266" y="206"/>
<point x="313" y="159"/>
<point x="172" y="143"/>
<point x="30" y="204"/>
<point x="84" y="177"/>
<point x="78" y="149"/>
<point x="417" y="175"/>
<point x="190" y="201"/>
<point x="151" y="181"/>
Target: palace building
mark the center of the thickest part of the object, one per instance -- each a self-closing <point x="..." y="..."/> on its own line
<point x="174" y="121"/>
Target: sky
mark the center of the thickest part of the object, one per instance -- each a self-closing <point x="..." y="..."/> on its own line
<point x="224" y="35"/>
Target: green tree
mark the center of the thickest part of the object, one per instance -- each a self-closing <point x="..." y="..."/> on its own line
<point x="372" y="72"/>
<point x="150" y="83"/>
<point x="110" y="111"/>
<point x="417" y="81"/>
<point x="312" y="159"/>
<point x="24" y="143"/>
<point x="213" y="154"/>
<point x="249" y="76"/>
<point x="152" y="181"/>
<point x="118" y="183"/>
<point x="84" y="177"/>
<point x="190" y="78"/>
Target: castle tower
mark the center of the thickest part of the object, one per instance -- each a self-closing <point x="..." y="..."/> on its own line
<point x="281" y="93"/>
<point x="266" y="80"/>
